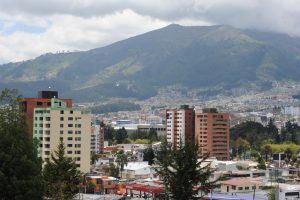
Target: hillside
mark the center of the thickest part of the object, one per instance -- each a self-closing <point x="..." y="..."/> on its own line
<point x="136" y="67"/>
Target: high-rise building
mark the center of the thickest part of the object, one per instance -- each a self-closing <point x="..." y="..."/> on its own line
<point x="180" y="125"/>
<point x="42" y="101"/>
<point x="97" y="139"/>
<point x="60" y="122"/>
<point x="212" y="133"/>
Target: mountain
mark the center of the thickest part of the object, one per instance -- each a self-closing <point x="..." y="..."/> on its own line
<point x="195" y="56"/>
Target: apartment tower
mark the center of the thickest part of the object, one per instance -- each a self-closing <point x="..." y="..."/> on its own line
<point x="180" y="125"/>
<point x="212" y="133"/>
<point x="60" y="122"/>
<point x="42" y="101"/>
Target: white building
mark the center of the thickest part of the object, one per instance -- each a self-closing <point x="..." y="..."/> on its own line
<point x="288" y="192"/>
<point x="138" y="170"/>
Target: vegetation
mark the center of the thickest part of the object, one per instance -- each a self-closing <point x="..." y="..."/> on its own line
<point x="121" y="135"/>
<point x="121" y="160"/>
<point x="181" y="170"/>
<point x="163" y="57"/>
<point x="263" y="142"/>
<point x="148" y="155"/>
<point x="20" y="169"/>
<point x="61" y="176"/>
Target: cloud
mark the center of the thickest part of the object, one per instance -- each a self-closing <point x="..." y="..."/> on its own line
<point x="29" y="28"/>
<point x="69" y="33"/>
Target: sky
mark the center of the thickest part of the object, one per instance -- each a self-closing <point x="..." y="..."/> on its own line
<point x="29" y="28"/>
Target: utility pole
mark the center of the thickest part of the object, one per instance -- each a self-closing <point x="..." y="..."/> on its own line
<point x="254" y="187"/>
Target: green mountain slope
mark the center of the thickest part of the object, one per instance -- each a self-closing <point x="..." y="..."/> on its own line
<point x="136" y="67"/>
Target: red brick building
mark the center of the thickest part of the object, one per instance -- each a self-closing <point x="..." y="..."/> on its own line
<point x="212" y="133"/>
<point x="180" y="125"/>
<point x="42" y="101"/>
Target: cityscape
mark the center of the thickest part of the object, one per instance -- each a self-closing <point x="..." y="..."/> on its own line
<point x="132" y="100"/>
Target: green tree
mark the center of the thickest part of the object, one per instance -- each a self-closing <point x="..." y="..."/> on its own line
<point x="153" y="135"/>
<point x="20" y="169"/>
<point x="61" y="176"/>
<point x="148" y="155"/>
<point x="272" y="194"/>
<point x="121" y="135"/>
<point x="113" y="170"/>
<point x="181" y="170"/>
<point x="242" y="146"/>
<point x="261" y="163"/>
<point x="121" y="160"/>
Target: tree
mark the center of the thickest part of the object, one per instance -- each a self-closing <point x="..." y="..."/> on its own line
<point x="181" y="170"/>
<point x="148" y="155"/>
<point x="272" y="194"/>
<point x="121" y="160"/>
<point x="20" y="168"/>
<point x="261" y="163"/>
<point x="121" y="135"/>
<point x="242" y="146"/>
<point x="113" y="170"/>
<point x="61" y="176"/>
<point x="152" y="135"/>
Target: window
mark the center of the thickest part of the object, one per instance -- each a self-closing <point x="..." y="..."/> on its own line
<point x="71" y="111"/>
<point x="77" y="138"/>
<point x="240" y="188"/>
<point x="77" y="152"/>
<point x="70" y="118"/>
<point x="246" y="188"/>
<point x="70" y="125"/>
<point x="69" y="152"/>
<point x="39" y="103"/>
<point x="61" y="112"/>
<point x="41" y="118"/>
<point x="70" y="132"/>
<point x="77" y="158"/>
<point x="61" y="118"/>
<point x="48" y="103"/>
<point x="47" y="125"/>
<point x="61" y="132"/>
<point x="47" y="139"/>
<point x="47" y="145"/>
<point x="61" y="125"/>
<point x="70" y="138"/>
<point x="70" y="145"/>
<point x="47" y="152"/>
<point x="77" y="165"/>
<point x="77" y="145"/>
<point x="78" y="132"/>
<point x="233" y="187"/>
<point x="77" y="125"/>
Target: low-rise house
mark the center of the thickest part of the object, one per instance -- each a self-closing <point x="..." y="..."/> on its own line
<point x="239" y="185"/>
<point x="138" y="170"/>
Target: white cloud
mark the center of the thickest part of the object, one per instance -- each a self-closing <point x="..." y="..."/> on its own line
<point x="69" y="33"/>
<point x="86" y="24"/>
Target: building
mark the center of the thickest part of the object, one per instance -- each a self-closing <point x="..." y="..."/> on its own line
<point x="241" y="185"/>
<point x="180" y="125"/>
<point x="212" y="133"/>
<point x="42" y="101"/>
<point x="138" y="170"/>
<point x="97" y="139"/>
<point x="60" y="122"/>
<point x="288" y="192"/>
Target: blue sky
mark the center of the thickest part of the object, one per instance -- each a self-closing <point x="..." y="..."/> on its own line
<point x="29" y="28"/>
<point x="22" y="27"/>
